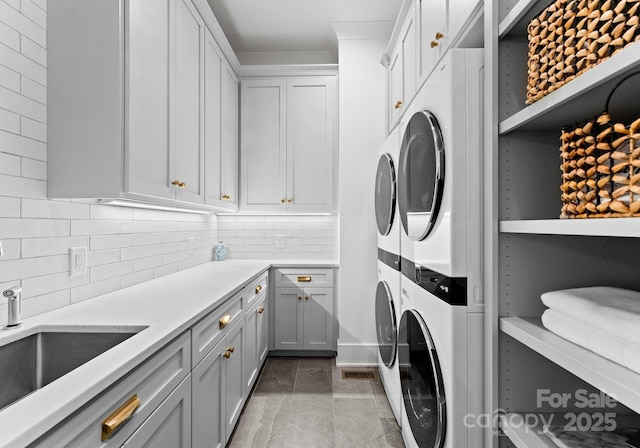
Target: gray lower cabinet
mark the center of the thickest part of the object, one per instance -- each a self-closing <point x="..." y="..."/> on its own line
<point x="170" y="424"/>
<point x="303" y="319"/>
<point x="257" y="346"/>
<point x="218" y="390"/>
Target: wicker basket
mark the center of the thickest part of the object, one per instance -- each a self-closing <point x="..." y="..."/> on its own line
<point x="571" y="36"/>
<point x="601" y="167"/>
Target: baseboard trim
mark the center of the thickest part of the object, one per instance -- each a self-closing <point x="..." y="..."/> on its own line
<point x="361" y="355"/>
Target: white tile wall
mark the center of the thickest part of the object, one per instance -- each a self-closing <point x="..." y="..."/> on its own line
<point x="125" y="246"/>
<point x="305" y="237"/>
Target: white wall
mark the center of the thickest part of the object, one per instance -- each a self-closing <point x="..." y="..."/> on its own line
<point x="362" y="131"/>
<point x="126" y="246"/>
<point x="305" y="237"/>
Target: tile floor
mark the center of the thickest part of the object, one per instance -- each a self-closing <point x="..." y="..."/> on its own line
<point x="304" y="402"/>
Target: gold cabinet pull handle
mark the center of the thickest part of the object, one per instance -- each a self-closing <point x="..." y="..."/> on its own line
<point x="398" y="105"/>
<point x="119" y="417"/>
<point x="224" y="320"/>
<point x="304" y="278"/>
<point x="261" y="310"/>
<point x="258" y="289"/>
<point x="439" y="35"/>
<point x="226" y="354"/>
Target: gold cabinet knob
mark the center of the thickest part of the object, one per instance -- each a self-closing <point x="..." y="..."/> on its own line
<point x="226" y="197"/>
<point x="306" y="297"/>
<point x="258" y="289"/>
<point x="398" y="105"/>
<point x="434" y="44"/>
<point x="182" y="184"/>
<point x="439" y="35"/>
<point x="289" y="201"/>
<point x="176" y="183"/>
<point x="226" y="354"/>
<point x="261" y="310"/>
<point x="231" y="349"/>
<point x="299" y="297"/>
<point x="282" y="201"/>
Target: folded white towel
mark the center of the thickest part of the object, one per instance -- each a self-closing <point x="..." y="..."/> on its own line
<point x="610" y="309"/>
<point x="604" y="344"/>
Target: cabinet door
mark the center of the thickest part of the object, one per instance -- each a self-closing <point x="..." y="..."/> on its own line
<point x="263" y="331"/>
<point x="187" y="134"/>
<point x="229" y="187"/>
<point x="288" y="330"/>
<point x="409" y="58"/>
<point x="396" y="99"/>
<point x="433" y="33"/>
<point x="212" y="120"/>
<point x="251" y="349"/>
<point x="318" y="319"/>
<point x="208" y="400"/>
<point x="170" y="424"/>
<point x="233" y="367"/>
<point x="311" y="116"/>
<point x="263" y="144"/>
<point x="147" y="107"/>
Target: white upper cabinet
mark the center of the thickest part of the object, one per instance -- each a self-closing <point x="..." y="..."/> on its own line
<point x="403" y="70"/>
<point x="433" y="36"/>
<point x="129" y="94"/>
<point x="221" y="129"/>
<point x="288" y="135"/>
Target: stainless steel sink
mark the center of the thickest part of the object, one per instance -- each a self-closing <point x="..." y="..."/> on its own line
<point x="36" y="360"/>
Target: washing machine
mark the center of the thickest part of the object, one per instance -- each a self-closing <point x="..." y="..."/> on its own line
<point x="440" y="334"/>
<point x="387" y="299"/>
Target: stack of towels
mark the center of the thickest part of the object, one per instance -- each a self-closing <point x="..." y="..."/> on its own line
<point x="603" y="319"/>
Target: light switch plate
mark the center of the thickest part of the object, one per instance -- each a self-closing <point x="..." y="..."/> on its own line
<point x="279" y="241"/>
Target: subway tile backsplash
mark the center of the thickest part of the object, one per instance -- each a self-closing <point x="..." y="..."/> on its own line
<point x="304" y="236"/>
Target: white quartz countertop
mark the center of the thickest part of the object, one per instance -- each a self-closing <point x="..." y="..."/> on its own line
<point x="164" y="307"/>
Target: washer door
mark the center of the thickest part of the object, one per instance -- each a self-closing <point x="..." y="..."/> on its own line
<point x="421" y="175"/>
<point x="421" y="381"/>
<point x="386" y="325"/>
<point x="385" y="199"/>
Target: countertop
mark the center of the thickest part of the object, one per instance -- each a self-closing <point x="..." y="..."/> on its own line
<point x="166" y="306"/>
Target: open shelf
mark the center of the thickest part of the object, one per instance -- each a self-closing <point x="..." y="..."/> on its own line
<point x="516" y="21"/>
<point x="532" y="436"/>
<point x="615" y="227"/>
<point x="580" y="99"/>
<point x="524" y="436"/>
<point x="617" y="381"/>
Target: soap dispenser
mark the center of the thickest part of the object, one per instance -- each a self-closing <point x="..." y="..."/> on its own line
<point x="220" y="250"/>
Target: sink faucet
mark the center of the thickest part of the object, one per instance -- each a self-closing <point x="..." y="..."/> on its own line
<point x="14" y="297"/>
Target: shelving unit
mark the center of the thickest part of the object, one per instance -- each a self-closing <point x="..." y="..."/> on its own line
<point x="529" y="249"/>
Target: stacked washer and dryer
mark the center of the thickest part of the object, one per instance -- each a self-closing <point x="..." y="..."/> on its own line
<point x="439" y="348"/>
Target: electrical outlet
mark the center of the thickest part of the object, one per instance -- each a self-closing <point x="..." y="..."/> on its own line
<point x="77" y="261"/>
<point x="279" y="241"/>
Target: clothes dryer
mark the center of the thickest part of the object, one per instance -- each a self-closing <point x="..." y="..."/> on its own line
<point x="385" y="199"/>
<point x="440" y="349"/>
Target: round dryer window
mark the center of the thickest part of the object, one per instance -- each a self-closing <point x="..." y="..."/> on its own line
<point x="421" y="381"/>
<point x="421" y="175"/>
<point x="385" y="199"/>
<point x="386" y="325"/>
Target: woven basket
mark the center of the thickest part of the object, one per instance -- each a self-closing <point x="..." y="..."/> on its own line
<point x="601" y="167"/>
<point x="571" y="36"/>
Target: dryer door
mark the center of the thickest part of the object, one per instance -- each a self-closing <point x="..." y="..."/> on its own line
<point x="421" y="175"/>
<point x="386" y="325"/>
<point x="421" y="381"/>
<point x="385" y="199"/>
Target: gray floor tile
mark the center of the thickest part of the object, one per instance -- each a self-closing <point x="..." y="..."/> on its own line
<point x="305" y="403"/>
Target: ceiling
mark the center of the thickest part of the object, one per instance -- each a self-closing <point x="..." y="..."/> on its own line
<point x="293" y="31"/>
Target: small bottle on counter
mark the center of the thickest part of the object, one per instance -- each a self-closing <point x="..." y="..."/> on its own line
<point x="220" y="251"/>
